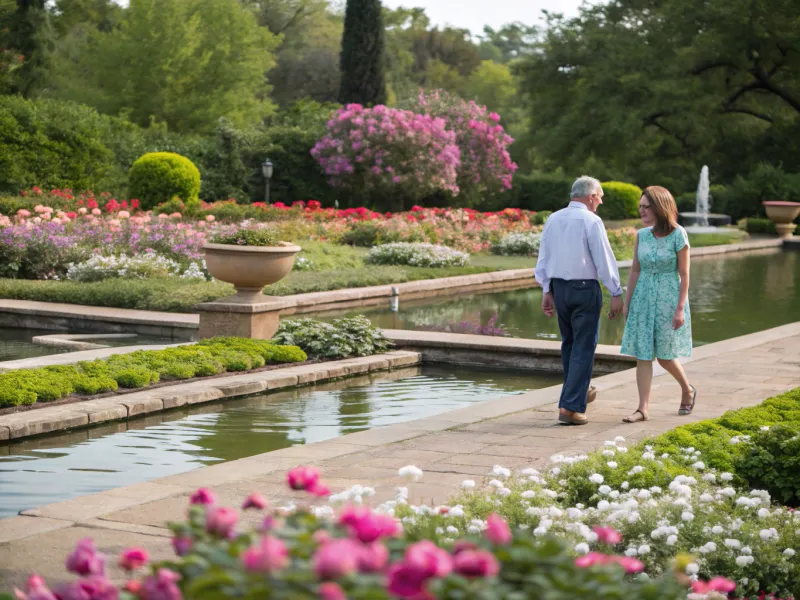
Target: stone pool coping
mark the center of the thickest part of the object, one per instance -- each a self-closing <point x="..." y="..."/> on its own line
<point x="181" y="326"/>
<point x="734" y="373"/>
<point x="49" y="419"/>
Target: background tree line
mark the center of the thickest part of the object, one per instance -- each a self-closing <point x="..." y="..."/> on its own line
<point x="645" y="91"/>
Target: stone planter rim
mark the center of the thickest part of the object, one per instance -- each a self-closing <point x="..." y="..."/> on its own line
<point x="285" y="247"/>
<point x="779" y="203"/>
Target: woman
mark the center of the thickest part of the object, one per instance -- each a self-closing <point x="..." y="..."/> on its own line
<point x="658" y="323"/>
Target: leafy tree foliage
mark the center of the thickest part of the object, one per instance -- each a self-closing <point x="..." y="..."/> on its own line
<point x="362" y="60"/>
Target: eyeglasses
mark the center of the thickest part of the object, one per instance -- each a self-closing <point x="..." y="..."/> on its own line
<point x="645" y="206"/>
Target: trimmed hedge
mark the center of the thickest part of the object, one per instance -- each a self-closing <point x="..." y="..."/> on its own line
<point x="766" y="226"/>
<point x="620" y="200"/>
<point x="142" y="368"/>
<point x="157" y="177"/>
<point x="540" y="192"/>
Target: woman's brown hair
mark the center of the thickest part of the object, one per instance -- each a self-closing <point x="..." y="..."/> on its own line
<point x="664" y="208"/>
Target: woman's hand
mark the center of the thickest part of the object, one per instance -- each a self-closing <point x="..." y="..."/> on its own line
<point x="678" y="319"/>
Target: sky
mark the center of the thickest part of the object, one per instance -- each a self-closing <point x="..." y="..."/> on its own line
<point x="474" y="14"/>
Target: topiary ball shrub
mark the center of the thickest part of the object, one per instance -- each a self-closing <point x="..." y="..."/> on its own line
<point x="135" y="377"/>
<point x="620" y="200"/>
<point x="159" y="176"/>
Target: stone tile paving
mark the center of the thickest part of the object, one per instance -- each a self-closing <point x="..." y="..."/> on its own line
<point x="515" y="431"/>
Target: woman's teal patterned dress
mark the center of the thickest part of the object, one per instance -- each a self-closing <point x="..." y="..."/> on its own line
<point x="648" y="330"/>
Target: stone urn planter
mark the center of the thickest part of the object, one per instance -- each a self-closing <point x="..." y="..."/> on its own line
<point x="249" y="268"/>
<point x="782" y="214"/>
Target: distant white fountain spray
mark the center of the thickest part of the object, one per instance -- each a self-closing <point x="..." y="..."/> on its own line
<point x="702" y="198"/>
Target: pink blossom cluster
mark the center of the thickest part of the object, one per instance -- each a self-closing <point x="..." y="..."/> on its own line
<point x="486" y="165"/>
<point x="389" y="150"/>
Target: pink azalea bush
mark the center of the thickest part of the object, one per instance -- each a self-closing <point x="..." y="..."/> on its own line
<point x="313" y="552"/>
<point x="486" y="166"/>
<point x="388" y="151"/>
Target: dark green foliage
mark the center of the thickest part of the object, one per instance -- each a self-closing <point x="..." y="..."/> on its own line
<point x="743" y="198"/>
<point x="247" y="237"/>
<point x="362" y="60"/>
<point x="773" y="463"/>
<point x="157" y="177"/>
<point x="540" y="192"/>
<point x="31" y="35"/>
<point x="342" y="338"/>
<point x="620" y="200"/>
<point x="762" y="226"/>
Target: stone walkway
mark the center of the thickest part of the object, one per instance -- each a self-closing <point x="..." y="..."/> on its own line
<point x="514" y="431"/>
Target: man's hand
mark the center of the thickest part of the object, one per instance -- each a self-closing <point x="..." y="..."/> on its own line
<point x="548" y="304"/>
<point x="616" y="307"/>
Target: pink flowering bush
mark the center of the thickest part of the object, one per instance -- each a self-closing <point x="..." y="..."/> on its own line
<point x="486" y="167"/>
<point x="388" y="154"/>
<point x="360" y="553"/>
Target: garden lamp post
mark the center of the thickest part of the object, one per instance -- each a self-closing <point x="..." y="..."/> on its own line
<point x="266" y="170"/>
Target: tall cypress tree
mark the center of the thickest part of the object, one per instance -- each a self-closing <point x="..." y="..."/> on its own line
<point x="362" y="59"/>
<point x="31" y="35"/>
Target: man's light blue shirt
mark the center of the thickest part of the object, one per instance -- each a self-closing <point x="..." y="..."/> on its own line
<point x="575" y="245"/>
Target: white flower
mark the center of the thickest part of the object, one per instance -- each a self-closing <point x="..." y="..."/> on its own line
<point x="636" y="470"/>
<point x="672" y="540"/>
<point x="763" y="513"/>
<point x="499" y="471"/>
<point x="708" y="548"/>
<point x="496" y="484"/>
<point x="747" y="550"/>
<point x="609" y="453"/>
<point x="504" y="491"/>
<point x="726" y="477"/>
<point x="789" y="553"/>
<point x="604" y="489"/>
<point x="692" y="569"/>
<point x="410" y="472"/>
<point x="625" y="485"/>
<point x="468" y="484"/>
<point x="687" y="516"/>
<point x="765" y="428"/>
<point x="528" y="494"/>
<point x="530" y="471"/>
<point x="717" y="529"/>
<point x="743" y="561"/>
<point x="735" y="440"/>
<point x="550" y="494"/>
<point x="648" y="456"/>
<point x="699" y="465"/>
<point x="596" y="478"/>
<point x="473" y="529"/>
<point x="768" y="534"/>
<point x="582" y="548"/>
<point x="611" y="464"/>
<point x="555" y="471"/>
<point x="643" y="549"/>
<point x="574" y="513"/>
<point x="452" y="530"/>
<point x="710" y="477"/>
<point x="735" y="544"/>
<point x="456" y="512"/>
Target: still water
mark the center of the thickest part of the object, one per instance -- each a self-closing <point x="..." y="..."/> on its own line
<point x="16" y="344"/>
<point x="54" y="468"/>
<point x="730" y="295"/>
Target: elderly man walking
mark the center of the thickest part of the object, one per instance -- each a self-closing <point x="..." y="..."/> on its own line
<point x="573" y="253"/>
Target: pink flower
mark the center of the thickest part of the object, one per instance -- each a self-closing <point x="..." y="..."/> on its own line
<point x="368" y="526"/>
<point x="336" y="559"/>
<point x="331" y="591"/>
<point x="35" y="589"/>
<point x="269" y="555"/>
<point x="123" y="214"/>
<point x="255" y="500"/>
<point x="497" y="530"/>
<point x="182" y="545"/>
<point x="162" y="586"/>
<point x="221" y="520"/>
<point x="210" y="218"/>
<point x="203" y="496"/>
<point x="306" y="479"/>
<point x="718" y="584"/>
<point x="85" y="560"/>
<point x="631" y="565"/>
<point x="176" y="215"/>
<point x="607" y="535"/>
<point x="96" y="212"/>
<point x="476" y="563"/>
<point x="372" y="558"/>
<point x="133" y="558"/>
<point x="494" y="117"/>
<point x="430" y="560"/>
<point x="94" y="587"/>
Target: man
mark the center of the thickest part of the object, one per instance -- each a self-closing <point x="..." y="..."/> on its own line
<point x="573" y="253"/>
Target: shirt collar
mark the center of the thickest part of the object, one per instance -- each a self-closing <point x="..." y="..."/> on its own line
<point x="576" y="204"/>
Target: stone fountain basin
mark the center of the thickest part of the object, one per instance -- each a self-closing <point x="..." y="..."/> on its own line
<point x="695" y="218"/>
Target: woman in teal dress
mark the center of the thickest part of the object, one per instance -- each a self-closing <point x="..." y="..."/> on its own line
<point x="658" y="323"/>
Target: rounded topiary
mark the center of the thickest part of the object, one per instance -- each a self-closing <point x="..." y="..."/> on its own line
<point x="620" y="200"/>
<point x="159" y="176"/>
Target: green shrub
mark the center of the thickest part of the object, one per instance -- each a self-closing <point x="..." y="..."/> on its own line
<point x="286" y="354"/>
<point x="540" y="192"/>
<point x="541" y="216"/>
<point x="762" y="226"/>
<point x="178" y="371"/>
<point x="620" y="200"/>
<point x="772" y="463"/>
<point x="247" y="237"/>
<point x="135" y="377"/>
<point x="686" y="202"/>
<point x="89" y="386"/>
<point x="764" y="182"/>
<point x="16" y="397"/>
<point x="364" y="234"/>
<point x="159" y="176"/>
<point x="236" y="361"/>
<point x="342" y="338"/>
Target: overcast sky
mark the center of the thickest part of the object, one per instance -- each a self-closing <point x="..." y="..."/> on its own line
<point x="474" y="14"/>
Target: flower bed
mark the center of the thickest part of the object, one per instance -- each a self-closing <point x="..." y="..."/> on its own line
<point x="357" y="553"/>
<point x="416" y="255"/>
<point x="671" y="496"/>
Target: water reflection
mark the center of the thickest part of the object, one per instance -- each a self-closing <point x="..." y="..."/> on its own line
<point x="730" y="295"/>
<point x="45" y="470"/>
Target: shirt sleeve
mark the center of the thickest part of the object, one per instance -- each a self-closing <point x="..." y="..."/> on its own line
<point x="540" y="272"/>
<point x="603" y="257"/>
<point x="681" y="240"/>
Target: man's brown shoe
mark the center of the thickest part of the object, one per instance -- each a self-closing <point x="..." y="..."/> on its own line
<point x="592" y="395"/>
<point x="575" y="418"/>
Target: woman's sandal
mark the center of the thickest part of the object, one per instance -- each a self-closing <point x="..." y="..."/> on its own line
<point x="687" y="410"/>
<point x="633" y="419"/>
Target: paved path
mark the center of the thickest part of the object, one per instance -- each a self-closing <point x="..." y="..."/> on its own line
<point x="465" y="443"/>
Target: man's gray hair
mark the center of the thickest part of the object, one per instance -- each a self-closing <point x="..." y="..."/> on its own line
<point x="584" y="186"/>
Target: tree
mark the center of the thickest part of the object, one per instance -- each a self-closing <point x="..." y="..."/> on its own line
<point x="100" y="14"/>
<point x="30" y="35"/>
<point x="362" y="59"/>
<point x="185" y="63"/>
